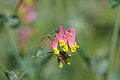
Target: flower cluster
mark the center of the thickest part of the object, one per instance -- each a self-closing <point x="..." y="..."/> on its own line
<point x="26" y="10"/>
<point x="66" y="40"/>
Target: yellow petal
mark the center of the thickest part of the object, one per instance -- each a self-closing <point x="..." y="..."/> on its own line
<point x="73" y="47"/>
<point x="56" y="51"/>
<point x="62" y="42"/>
<point x="65" y="48"/>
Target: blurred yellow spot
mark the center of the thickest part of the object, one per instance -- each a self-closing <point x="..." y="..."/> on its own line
<point x="73" y="47"/>
<point x="56" y="51"/>
<point x="68" y="63"/>
<point x="62" y="42"/>
<point x="28" y="2"/>
<point x="69" y="55"/>
<point x="21" y="11"/>
<point x="61" y="65"/>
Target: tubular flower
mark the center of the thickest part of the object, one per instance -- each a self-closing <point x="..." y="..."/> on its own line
<point x="55" y="44"/>
<point x="62" y="38"/>
<point x="71" y="35"/>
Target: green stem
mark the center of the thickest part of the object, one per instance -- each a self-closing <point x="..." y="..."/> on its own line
<point x="12" y="42"/>
<point x="114" y="43"/>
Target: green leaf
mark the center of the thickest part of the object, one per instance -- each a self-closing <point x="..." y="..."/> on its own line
<point x="113" y="3"/>
<point x="39" y="53"/>
<point x="11" y="75"/>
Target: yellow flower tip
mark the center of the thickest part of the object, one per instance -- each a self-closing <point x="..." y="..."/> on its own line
<point x="69" y="55"/>
<point x="60" y="65"/>
<point x="73" y="47"/>
<point x="77" y="46"/>
<point x="68" y="63"/>
<point x="73" y="51"/>
<point x="62" y="42"/>
<point x="21" y="11"/>
<point x="65" y="48"/>
<point x="56" y="51"/>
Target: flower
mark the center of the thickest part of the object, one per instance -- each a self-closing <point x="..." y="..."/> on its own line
<point x="24" y="33"/>
<point x="26" y="11"/>
<point x="61" y="39"/>
<point x="55" y="44"/>
<point x="65" y="39"/>
<point x="71" y="35"/>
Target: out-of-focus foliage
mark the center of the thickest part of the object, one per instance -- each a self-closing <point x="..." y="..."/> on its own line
<point x="114" y="3"/>
<point x="94" y="21"/>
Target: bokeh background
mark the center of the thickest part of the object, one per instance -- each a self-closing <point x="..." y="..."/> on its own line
<point x="97" y="25"/>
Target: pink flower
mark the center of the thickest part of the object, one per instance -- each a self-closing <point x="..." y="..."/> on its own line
<point x="23" y="35"/>
<point x="30" y="13"/>
<point x="71" y="35"/>
<point x="61" y="39"/>
<point x="66" y="40"/>
<point x="55" y="44"/>
<point x="26" y="11"/>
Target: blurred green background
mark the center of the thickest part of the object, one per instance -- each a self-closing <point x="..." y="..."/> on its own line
<point x="97" y="26"/>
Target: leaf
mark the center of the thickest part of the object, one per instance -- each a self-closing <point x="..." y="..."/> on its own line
<point x="11" y="75"/>
<point x="13" y="21"/>
<point x="39" y="53"/>
<point x="113" y="3"/>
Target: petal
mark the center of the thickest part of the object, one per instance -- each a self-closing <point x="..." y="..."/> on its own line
<point x="30" y="13"/>
<point x="60" y="32"/>
<point x="55" y="42"/>
<point x="70" y="35"/>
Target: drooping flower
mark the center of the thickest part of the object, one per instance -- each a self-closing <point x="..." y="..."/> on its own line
<point x="71" y="35"/>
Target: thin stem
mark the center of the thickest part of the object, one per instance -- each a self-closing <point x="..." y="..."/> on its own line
<point x="3" y="67"/>
<point x="114" y="43"/>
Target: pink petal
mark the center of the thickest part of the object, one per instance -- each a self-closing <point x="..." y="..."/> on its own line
<point x="55" y="42"/>
<point x="23" y="34"/>
<point x="70" y="35"/>
<point x="30" y="13"/>
<point x="60" y="32"/>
